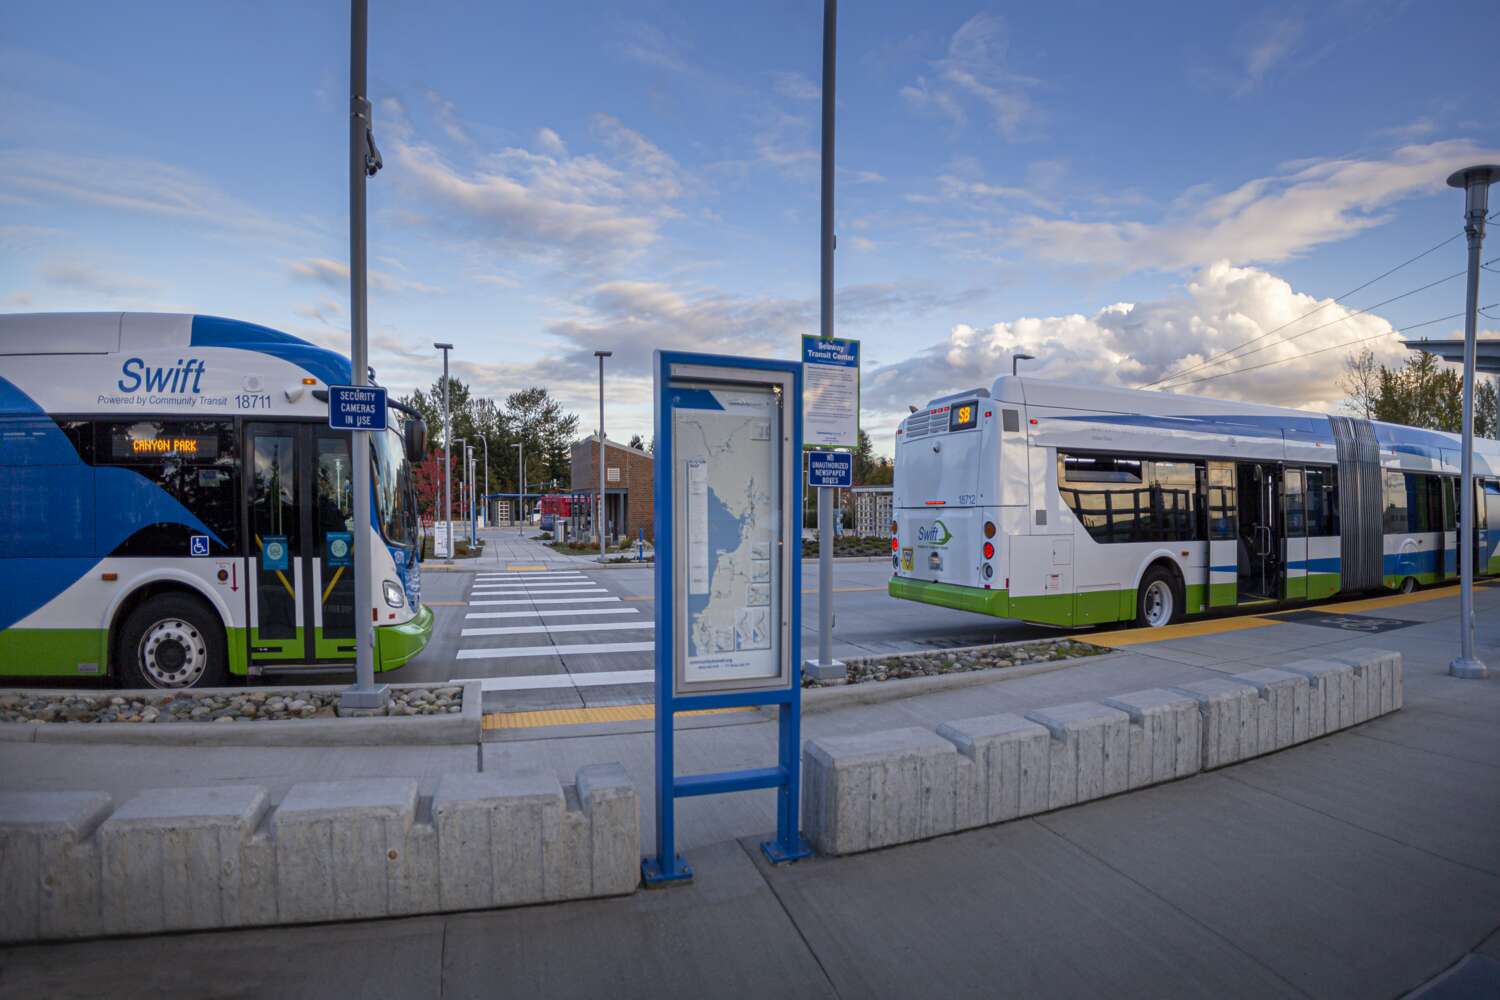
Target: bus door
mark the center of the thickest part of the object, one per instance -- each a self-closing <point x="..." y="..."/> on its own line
<point x="1294" y="544"/>
<point x="1487" y="506"/>
<point x="1223" y="535"/>
<point x="275" y="485"/>
<point x="1447" y="529"/>
<point x="301" y="554"/>
<point x="1259" y="545"/>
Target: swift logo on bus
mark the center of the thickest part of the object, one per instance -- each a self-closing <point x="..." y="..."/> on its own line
<point x="161" y="378"/>
<point x="936" y="534"/>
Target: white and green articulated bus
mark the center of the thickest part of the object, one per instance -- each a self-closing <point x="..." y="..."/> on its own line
<point x="175" y="511"/>
<point x="1078" y="505"/>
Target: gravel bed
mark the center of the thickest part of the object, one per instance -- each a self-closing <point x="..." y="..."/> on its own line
<point x="888" y="668"/>
<point x="186" y="706"/>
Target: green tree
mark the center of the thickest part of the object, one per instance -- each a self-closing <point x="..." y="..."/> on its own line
<point x="1486" y="408"/>
<point x="538" y="421"/>
<point x="864" y="458"/>
<point x="1421" y="394"/>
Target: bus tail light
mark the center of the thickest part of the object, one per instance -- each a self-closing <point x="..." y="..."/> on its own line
<point x="989" y="550"/>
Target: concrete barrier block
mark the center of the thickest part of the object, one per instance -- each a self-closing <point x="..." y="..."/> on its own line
<point x="1165" y="735"/>
<point x="1385" y="694"/>
<point x="340" y="849"/>
<point x="170" y="858"/>
<point x="1009" y="757"/>
<point x="1284" y="700"/>
<point x="1326" y="685"/>
<point x="48" y="864"/>
<point x="258" y="879"/>
<point x="492" y="832"/>
<point x="1230" y="715"/>
<point x="967" y="812"/>
<point x="576" y="866"/>
<point x="1100" y="756"/>
<point x="613" y="809"/>
<point x="877" y="789"/>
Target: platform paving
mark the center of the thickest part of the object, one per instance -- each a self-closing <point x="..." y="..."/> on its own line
<point x="1364" y="864"/>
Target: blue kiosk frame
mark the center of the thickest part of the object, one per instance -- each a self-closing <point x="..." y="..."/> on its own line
<point x="667" y="866"/>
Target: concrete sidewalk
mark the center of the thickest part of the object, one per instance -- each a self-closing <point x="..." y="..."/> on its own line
<point x="1363" y="864"/>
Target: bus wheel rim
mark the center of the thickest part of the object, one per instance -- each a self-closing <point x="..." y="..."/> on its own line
<point x="1158" y="604"/>
<point x="173" y="654"/>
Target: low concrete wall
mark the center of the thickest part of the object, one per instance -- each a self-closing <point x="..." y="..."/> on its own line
<point x="879" y="789"/>
<point x="220" y="856"/>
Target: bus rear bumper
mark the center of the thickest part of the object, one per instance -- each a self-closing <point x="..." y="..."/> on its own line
<point x="948" y="595"/>
<point x="396" y="644"/>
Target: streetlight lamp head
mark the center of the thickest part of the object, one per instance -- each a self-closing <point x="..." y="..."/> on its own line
<point x="1476" y="181"/>
<point x="1024" y="357"/>
<point x="443" y="347"/>
<point x="604" y="354"/>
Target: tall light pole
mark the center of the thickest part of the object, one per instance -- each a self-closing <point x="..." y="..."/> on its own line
<point x="473" y="495"/>
<point x="520" y="447"/>
<point x="826" y="668"/>
<point x="447" y="457"/>
<point x="364" y="160"/>
<point x="599" y="511"/>
<point x="1476" y="183"/>
<point x="463" y="478"/>
<point x="1019" y="357"/>
<point x="484" y="493"/>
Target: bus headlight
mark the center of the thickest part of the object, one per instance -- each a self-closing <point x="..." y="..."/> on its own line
<point x="394" y="596"/>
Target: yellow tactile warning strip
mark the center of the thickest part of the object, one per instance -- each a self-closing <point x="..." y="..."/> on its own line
<point x="584" y="716"/>
<point x="525" y="567"/>
<point x="1187" y="630"/>
<point x="1220" y="626"/>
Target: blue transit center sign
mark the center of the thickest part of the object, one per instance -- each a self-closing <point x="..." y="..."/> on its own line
<point x="830" y="469"/>
<point x="356" y="408"/>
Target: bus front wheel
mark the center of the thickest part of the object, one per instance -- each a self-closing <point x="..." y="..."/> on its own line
<point x="173" y="641"/>
<point x="1158" y="600"/>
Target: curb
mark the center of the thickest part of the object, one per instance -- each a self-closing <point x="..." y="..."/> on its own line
<point x="827" y="699"/>
<point x="436" y="730"/>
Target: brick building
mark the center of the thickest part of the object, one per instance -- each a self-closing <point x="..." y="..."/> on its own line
<point x="628" y="485"/>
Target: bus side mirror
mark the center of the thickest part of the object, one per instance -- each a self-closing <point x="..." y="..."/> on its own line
<point x="416" y="440"/>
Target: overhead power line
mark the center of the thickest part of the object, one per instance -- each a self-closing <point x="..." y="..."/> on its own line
<point x="1335" y="347"/>
<point x="1213" y="359"/>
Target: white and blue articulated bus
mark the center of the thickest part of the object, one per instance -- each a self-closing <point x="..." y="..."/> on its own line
<point x="174" y="509"/>
<point x="1078" y="505"/>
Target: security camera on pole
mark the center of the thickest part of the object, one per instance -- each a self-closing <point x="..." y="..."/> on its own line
<point x="1476" y="183"/>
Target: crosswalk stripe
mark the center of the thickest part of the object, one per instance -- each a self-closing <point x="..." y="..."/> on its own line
<point x="546" y="600"/>
<point x="602" y="678"/>
<point x="553" y="611"/>
<point x="552" y="629"/>
<point x="525" y="576"/>
<point x="518" y="591"/>
<point x="505" y="653"/>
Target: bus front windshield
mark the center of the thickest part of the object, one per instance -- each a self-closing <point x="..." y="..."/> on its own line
<point x="393" y="488"/>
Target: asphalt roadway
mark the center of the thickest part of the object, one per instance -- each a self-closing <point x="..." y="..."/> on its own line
<point x="580" y="635"/>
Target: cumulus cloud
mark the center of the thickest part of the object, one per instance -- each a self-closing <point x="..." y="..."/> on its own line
<point x="975" y="69"/>
<point x="1264" y="220"/>
<point x="1129" y="344"/>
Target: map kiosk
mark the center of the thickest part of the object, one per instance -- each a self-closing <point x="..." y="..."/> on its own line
<point x="727" y="575"/>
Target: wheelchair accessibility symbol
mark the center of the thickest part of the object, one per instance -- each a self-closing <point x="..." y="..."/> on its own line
<point x="198" y="545"/>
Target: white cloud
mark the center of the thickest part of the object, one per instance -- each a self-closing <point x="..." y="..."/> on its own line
<point x="1129" y="344"/>
<point x="1269" y="43"/>
<point x="132" y="184"/>
<point x="795" y="87"/>
<point x="1267" y="219"/>
<point x="550" y="143"/>
<point x="335" y="274"/>
<point x="98" y="282"/>
<point x="976" y="67"/>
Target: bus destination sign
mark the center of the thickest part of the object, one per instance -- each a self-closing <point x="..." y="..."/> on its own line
<point x="356" y="408"/>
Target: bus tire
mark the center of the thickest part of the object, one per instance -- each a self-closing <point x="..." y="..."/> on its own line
<point x="1408" y="585"/>
<point x="172" y="642"/>
<point x="1158" y="600"/>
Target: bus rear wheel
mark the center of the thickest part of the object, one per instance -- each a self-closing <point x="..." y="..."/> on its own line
<point x="171" y="642"/>
<point x="1158" y="600"/>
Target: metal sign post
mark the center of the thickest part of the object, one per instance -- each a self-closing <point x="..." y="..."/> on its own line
<point x="728" y="576"/>
<point x="364" y="161"/>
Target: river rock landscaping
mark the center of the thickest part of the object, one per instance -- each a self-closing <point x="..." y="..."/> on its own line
<point x="188" y="706"/>
<point x="906" y="665"/>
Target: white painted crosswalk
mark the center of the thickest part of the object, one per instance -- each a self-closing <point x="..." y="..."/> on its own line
<point x="554" y="631"/>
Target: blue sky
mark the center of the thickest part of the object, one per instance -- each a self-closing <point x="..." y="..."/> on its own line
<point x="1119" y="191"/>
